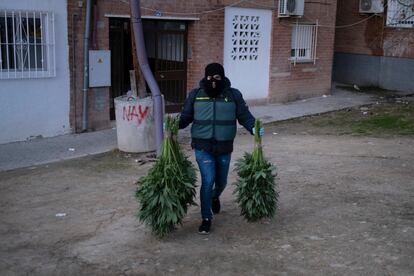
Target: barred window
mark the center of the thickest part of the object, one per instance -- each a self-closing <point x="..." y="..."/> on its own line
<point x="27" y="44"/>
<point x="304" y="40"/>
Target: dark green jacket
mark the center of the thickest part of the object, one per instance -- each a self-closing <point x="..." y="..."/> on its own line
<point x="214" y="119"/>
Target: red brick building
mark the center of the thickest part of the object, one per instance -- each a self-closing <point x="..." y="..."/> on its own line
<point x="273" y="51"/>
<point x="374" y="44"/>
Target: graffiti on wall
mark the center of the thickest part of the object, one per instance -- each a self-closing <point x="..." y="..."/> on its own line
<point x="135" y="112"/>
<point x="399" y="43"/>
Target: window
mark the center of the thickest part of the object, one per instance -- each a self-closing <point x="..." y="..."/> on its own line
<point x="304" y="40"/>
<point x="27" y="44"/>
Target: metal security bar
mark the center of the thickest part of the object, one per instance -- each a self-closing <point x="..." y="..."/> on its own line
<point x="304" y="42"/>
<point x="27" y="44"/>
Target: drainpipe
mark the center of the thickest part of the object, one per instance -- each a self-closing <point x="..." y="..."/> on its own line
<point x="86" y="66"/>
<point x="95" y="26"/>
<point x="146" y="71"/>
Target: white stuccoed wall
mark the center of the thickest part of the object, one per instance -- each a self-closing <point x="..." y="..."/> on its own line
<point x="242" y="72"/>
<point x="38" y="107"/>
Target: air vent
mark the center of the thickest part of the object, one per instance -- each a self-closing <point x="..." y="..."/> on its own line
<point x="291" y="8"/>
<point x="366" y="5"/>
<point x="371" y="6"/>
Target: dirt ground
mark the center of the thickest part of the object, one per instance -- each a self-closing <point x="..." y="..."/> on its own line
<point x="346" y="208"/>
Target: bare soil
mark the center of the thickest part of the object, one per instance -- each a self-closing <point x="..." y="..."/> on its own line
<point x="346" y="208"/>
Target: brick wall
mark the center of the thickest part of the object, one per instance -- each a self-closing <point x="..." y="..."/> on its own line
<point x="205" y="42"/>
<point x="75" y="38"/>
<point x="98" y="98"/>
<point x="289" y="82"/>
<point x="370" y="37"/>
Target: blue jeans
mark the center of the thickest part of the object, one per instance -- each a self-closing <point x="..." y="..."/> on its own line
<point x="214" y="170"/>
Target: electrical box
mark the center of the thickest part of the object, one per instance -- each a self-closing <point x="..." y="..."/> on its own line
<point x="291" y="8"/>
<point x="371" y="6"/>
<point x="99" y="68"/>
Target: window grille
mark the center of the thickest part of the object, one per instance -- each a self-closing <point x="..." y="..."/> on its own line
<point x="304" y="41"/>
<point x="27" y="44"/>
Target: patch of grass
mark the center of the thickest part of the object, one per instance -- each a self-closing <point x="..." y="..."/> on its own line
<point x="383" y="119"/>
<point x="399" y="124"/>
<point x="110" y="161"/>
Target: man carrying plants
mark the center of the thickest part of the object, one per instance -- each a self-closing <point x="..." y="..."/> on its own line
<point x="213" y="109"/>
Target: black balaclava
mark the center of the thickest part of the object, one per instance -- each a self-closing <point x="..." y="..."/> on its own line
<point x="211" y="70"/>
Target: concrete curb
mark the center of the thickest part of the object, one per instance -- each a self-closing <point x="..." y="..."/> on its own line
<point x="43" y="151"/>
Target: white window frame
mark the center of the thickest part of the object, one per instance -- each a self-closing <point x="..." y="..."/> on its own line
<point x="304" y="42"/>
<point x="27" y="51"/>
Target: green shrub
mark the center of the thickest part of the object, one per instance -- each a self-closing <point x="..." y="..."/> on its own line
<point x="169" y="187"/>
<point x="255" y="187"/>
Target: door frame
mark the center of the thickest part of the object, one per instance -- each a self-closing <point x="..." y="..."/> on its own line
<point x="126" y="57"/>
<point x="247" y="50"/>
<point x="164" y="75"/>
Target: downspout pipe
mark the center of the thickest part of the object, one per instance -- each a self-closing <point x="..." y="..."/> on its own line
<point x="86" y="65"/>
<point x="146" y="71"/>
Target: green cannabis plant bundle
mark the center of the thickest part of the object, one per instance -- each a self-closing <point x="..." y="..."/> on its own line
<point x="169" y="187"/>
<point x="255" y="187"/>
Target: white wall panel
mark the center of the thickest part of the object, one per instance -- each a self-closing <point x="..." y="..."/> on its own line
<point x="247" y="34"/>
<point x="38" y="107"/>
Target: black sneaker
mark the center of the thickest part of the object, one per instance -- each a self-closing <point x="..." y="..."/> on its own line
<point x="215" y="206"/>
<point x="204" y="228"/>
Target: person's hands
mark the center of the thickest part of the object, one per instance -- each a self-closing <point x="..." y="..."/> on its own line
<point x="261" y="131"/>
